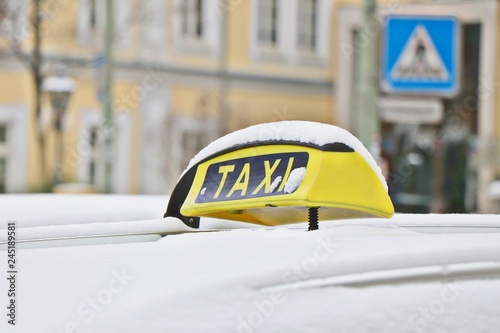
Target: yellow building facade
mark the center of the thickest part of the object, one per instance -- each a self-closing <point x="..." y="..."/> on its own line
<point x="177" y="65"/>
<point x="187" y="71"/>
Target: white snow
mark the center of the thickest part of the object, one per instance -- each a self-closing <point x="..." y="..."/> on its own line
<point x="275" y="183"/>
<point x="294" y="179"/>
<point x="157" y="226"/>
<point x="213" y="282"/>
<point x="299" y="131"/>
<point x="58" y="84"/>
<point x="35" y="210"/>
<point x="428" y="220"/>
<point x="224" y="281"/>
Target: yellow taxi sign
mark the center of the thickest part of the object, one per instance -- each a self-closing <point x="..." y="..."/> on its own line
<point x="250" y="177"/>
<point x="276" y="183"/>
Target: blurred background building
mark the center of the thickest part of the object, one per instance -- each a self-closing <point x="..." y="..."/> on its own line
<point x="176" y="74"/>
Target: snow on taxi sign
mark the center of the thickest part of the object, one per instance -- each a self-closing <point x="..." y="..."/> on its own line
<point x="421" y="55"/>
<point x="282" y="173"/>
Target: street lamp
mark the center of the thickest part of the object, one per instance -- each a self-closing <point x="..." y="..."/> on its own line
<point x="59" y="87"/>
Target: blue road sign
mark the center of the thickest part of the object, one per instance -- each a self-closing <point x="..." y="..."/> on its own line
<point x="421" y="55"/>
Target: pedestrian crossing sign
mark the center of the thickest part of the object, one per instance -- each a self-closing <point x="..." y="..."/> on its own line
<point x="421" y="55"/>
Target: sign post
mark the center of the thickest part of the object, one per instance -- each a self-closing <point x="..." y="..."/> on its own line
<point x="367" y="122"/>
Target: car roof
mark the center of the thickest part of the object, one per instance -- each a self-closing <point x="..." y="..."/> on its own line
<point x="356" y="275"/>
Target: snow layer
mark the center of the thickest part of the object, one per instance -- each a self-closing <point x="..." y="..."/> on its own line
<point x="299" y="131"/>
<point x="58" y="84"/>
<point x="158" y="226"/>
<point x="294" y="179"/>
<point x="212" y="282"/>
<point x="275" y="183"/>
<point x="46" y="215"/>
<point x="35" y="210"/>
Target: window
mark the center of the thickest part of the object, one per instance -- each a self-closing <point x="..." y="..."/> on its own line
<point x="192" y="19"/>
<point x="3" y="10"/>
<point x="192" y="142"/>
<point x="92" y="15"/>
<point x="307" y="22"/>
<point x="187" y="135"/>
<point x="94" y="155"/>
<point x="3" y="134"/>
<point x="13" y="143"/>
<point x="198" y="25"/>
<point x="2" y="174"/>
<point x="292" y="32"/>
<point x="154" y="27"/>
<point x="3" y="158"/>
<point x="268" y="23"/>
<point x="92" y="22"/>
<point x="13" y="19"/>
<point x="90" y="163"/>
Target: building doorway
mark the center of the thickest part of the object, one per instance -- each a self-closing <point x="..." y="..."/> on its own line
<point x="434" y="167"/>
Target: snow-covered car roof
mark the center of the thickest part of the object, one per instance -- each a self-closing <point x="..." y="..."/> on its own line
<point x="412" y="273"/>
